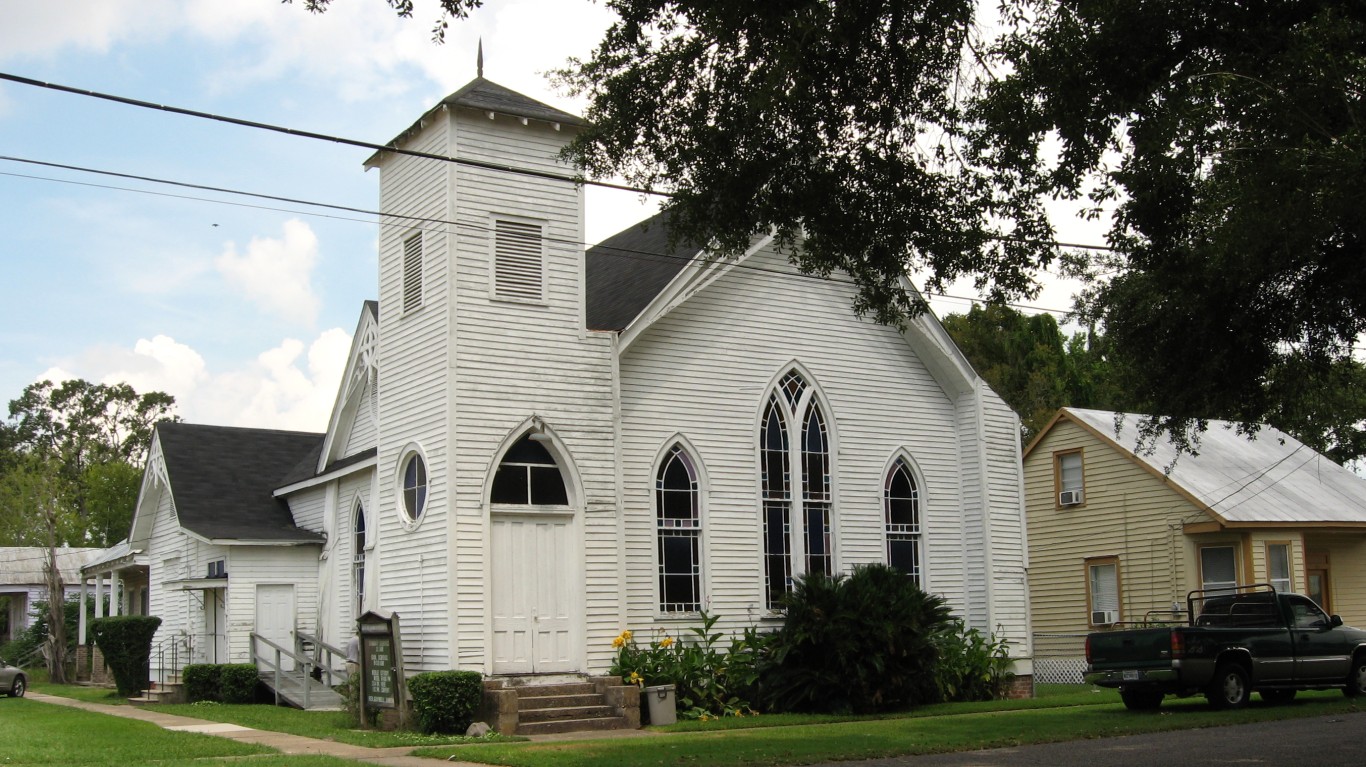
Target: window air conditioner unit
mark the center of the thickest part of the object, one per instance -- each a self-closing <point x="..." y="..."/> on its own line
<point x="1104" y="617"/>
<point x="1069" y="498"/>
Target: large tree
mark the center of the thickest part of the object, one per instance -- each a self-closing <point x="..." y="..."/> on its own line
<point x="880" y="137"/>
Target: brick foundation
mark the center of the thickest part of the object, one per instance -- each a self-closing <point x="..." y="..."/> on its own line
<point x="1020" y="686"/>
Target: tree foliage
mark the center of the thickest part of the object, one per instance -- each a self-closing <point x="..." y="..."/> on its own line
<point x="74" y="451"/>
<point x="1036" y="369"/>
<point x="1230" y="140"/>
<point x="449" y="9"/>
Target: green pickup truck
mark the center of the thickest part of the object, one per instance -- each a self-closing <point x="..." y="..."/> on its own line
<point x="1238" y="640"/>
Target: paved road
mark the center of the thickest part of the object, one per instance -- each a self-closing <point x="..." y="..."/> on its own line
<point x="1329" y="741"/>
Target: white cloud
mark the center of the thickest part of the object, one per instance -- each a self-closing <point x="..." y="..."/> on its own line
<point x="50" y="27"/>
<point x="276" y="275"/>
<point x="282" y="388"/>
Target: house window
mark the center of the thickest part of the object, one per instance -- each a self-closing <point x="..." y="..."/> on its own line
<point x="358" y="558"/>
<point x="1102" y="590"/>
<point x="217" y="569"/>
<point x="414" y="487"/>
<point x="679" y="522"/>
<point x="1278" y="567"/>
<point x="794" y="452"/>
<point x="901" y="507"/>
<point x="1218" y="567"/>
<point x="1069" y="481"/>
<point x="517" y="260"/>
<point x="412" y="272"/>
<point x="529" y="476"/>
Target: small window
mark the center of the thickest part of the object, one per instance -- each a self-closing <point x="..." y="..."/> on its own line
<point x="1102" y="583"/>
<point x="529" y="476"/>
<point x="1218" y="567"/>
<point x="414" y="487"/>
<point x="679" y="521"/>
<point x="901" y="502"/>
<point x="217" y="569"/>
<point x="412" y="272"/>
<point x="517" y="260"/>
<point x="1278" y="567"/>
<point x="1069" y="480"/>
<point x="1307" y="614"/>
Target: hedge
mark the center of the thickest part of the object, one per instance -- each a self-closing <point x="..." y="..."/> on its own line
<point x="222" y="682"/>
<point x="446" y="701"/>
<point x="126" y="643"/>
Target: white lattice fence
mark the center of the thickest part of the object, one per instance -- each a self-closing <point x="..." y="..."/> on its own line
<point x="1059" y="658"/>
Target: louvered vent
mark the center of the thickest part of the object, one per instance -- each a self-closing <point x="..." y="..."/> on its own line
<point x="517" y="260"/>
<point x="412" y="272"/>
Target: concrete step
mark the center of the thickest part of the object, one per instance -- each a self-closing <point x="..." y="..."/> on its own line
<point x="532" y="703"/>
<point x="549" y="690"/>
<point x="569" y="712"/>
<point x="572" y="725"/>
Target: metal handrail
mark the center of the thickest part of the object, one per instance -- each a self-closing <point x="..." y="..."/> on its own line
<point x="301" y="663"/>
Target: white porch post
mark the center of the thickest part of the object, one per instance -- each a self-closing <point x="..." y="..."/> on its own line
<point x="80" y="623"/>
<point x="115" y="593"/>
<point x="99" y="595"/>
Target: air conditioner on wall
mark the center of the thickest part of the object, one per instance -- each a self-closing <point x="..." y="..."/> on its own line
<point x="1104" y="617"/>
<point x="1069" y="498"/>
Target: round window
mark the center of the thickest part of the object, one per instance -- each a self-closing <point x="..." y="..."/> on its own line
<point x="414" y="486"/>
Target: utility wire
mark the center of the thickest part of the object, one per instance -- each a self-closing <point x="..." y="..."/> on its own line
<point x="433" y="223"/>
<point x="413" y="153"/>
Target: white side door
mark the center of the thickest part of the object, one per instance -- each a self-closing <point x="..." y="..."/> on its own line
<point x="532" y="594"/>
<point x="275" y="618"/>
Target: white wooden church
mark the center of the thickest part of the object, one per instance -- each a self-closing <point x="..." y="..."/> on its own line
<point x="535" y="446"/>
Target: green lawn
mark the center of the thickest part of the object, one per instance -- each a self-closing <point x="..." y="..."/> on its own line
<point x="105" y="695"/>
<point x="40" y="733"/>
<point x="956" y="729"/>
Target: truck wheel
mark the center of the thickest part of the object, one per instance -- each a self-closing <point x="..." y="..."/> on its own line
<point x="1141" y="700"/>
<point x="1277" y="697"/>
<point x="1229" y="688"/>
<point x="1356" y="679"/>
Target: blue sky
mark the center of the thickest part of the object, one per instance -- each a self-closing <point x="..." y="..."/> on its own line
<point x="243" y="313"/>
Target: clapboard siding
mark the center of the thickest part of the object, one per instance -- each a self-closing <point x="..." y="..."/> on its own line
<point x="309" y="507"/>
<point x="167" y="548"/>
<point x="251" y="566"/>
<point x="363" y="429"/>
<point x="413" y="393"/>
<point x="703" y="371"/>
<point x="1006" y="525"/>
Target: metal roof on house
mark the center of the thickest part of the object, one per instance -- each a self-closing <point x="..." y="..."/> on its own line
<point x="625" y="272"/>
<point x="27" y="565"/>
<point x="1270" y="478"/>
<point x="223" y="478"/>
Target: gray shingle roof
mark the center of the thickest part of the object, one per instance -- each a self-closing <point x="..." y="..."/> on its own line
<point x="27" y="565"/>
<point x="222" y="479"/>
<point x="624" y="272"/>
<point x="1273" y="478"/>
<point x="481" y="93"/>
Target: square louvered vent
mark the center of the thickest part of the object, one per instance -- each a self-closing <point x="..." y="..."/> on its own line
<point x="517" y="256"/>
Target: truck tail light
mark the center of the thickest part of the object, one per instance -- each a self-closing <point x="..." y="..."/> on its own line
<point x="1178" y="644"/>
<point x="1088" y="649"/>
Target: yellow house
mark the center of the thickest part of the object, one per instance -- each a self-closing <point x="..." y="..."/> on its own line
<point x="1119" y="537"/>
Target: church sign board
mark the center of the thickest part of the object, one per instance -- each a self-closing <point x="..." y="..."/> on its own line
<point x="381" y="662"/>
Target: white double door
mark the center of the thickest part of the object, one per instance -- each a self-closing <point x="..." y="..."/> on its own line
<point x="533" y="594"/>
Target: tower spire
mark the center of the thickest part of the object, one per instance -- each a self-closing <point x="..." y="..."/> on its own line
<point x="479" y="61"/>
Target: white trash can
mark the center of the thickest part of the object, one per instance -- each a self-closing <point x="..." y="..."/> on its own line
<point x="660" y="700"/>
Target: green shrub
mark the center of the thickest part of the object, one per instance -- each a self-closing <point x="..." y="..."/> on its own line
<point x="971" y="666"/>
<point x="446" y="701"/>
<point x="201" y="681"/>
<point x="126" y="642"/>
<point x="860" y="643"/>
<point x="238" y="682"/>
<point x="707" y="680"/>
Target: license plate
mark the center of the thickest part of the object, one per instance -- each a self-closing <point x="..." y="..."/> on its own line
<point x="1131" y="676"/>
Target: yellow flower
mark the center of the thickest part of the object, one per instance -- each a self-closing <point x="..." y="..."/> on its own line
<point x="634" y="678"/>
<point x="666" y="641"/>
<point x="618" y="642"/>
<point x="626" y="635"/>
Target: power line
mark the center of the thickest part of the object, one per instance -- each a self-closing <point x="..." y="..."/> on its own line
<point x="438" y="222"/>
<point x="414" y="153"/>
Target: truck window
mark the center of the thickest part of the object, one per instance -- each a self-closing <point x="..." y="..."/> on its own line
<point x="1307" y="615"/>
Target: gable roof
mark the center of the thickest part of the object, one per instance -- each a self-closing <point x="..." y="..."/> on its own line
<point x="1272" y="478"/>
<point x="623" y="273"/>
<point x="222" y="479"/>
<point x="27" y="565"/>
<point x="487" y="96"/>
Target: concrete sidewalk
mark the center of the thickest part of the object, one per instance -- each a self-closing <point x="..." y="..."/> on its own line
<point x="282" y="742"/>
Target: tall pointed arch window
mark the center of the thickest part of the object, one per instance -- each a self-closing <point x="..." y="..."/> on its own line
<point x="358" y="558"/>
<point x="795" y="475"/>
<point x="901" y="506"/>
<point x="679" y="531"/>
<point x="529" y="476"/>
